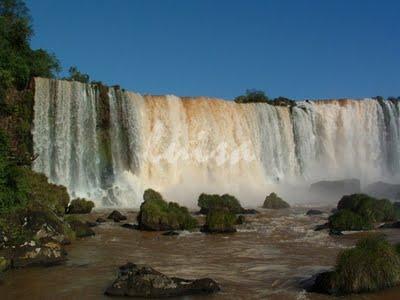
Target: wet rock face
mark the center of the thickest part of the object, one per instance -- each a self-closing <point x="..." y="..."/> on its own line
<point x="48" y="253"/>
<point x="144" y="281"/>
<point x="336" y="188"/>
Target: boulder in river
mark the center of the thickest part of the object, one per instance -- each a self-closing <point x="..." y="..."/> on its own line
<point x="116" y="216"/>
<point x="362" y="212"/>
<point x="273" y="201"/>
<point x="220" y="221"/>
<point x="80" y="206"/>
<point x="145" y="282"/>
<point x="372" y="265"/>
<point x="156" y="214"/>
<point x="208" y="202"/>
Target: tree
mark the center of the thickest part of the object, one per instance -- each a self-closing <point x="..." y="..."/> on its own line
<point x="76" y="75"/>
<point x="252" y="95"/>
<point x="18" y="62"/>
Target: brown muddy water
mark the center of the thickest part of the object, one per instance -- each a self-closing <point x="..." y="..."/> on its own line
<point x="267" y="259"/>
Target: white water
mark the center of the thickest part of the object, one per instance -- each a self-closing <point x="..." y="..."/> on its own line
<point x="183" y="147"/>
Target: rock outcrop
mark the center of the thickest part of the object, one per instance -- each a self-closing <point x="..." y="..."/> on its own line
<point x="145" y="282"/>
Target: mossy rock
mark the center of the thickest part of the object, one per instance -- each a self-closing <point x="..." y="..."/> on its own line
<point x="220" y="221"/>
<point x="345" y="220"/>
<point x="80" y="228"/>
<point x="158" y="215"/>
<point x="360" y="212"/>
<point x="208" y="202"/>
<point x="273" y="201"/>
<point x="372" y="209"/>
<point x="80" y="206"/>
<point x="372" y="265"/>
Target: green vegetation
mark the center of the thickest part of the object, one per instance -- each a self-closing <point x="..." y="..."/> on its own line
<point x="273" y="201"/>
<point x="220" y="221"/>
<point x="360" y="212"/>
<point x="373" y="264"/>
<point x="257" y="96"/>
<point x="18" y="62"/>
<point x="76" y="75"/>
<point x="159" y="215"/>
<point x="252" y="96"/>
<point x="80" y="206"/>
<point x="208" y="202"/>
<point x="347" y="220"/>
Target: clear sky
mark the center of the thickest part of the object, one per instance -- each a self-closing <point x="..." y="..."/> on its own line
<point x="298" y="49"/>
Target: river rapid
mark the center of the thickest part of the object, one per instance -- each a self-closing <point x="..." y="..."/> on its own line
<point x="268" y="258"/>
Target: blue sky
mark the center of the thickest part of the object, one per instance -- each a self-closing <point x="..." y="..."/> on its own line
<point x="298" y="49"/>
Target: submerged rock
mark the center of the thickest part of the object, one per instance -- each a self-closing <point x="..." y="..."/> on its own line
<point x="101" y="220"/>
<point x="47" y="253"/>
<point x="170" y="233"/>
<point x="321" y="227"/>
<point x="130" y="226"/>
<point x="116" y="216"/>
<point x="144" y="281"/>
<point x="273" y="201"/>
<point x="158" y="215"/>
<point x="80" y="206"/>
<point x="220" y="221"/>
<point x="314" y="212"/>
<point x="80" y="228"/>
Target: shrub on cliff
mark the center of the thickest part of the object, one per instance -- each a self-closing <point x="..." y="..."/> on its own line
<point x="80" y="206"/>
<point x="208" y="202"/>
<point x="158" y="215"/>
<point x="373" y="264"/>
<point x="220" y="221"/>
<point x="252" y="96"/>
<point x="273" y="201"/>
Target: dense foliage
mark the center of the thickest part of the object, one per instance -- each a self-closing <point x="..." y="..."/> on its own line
<point x="360" y="212"/>
<point x="157" y="214"/>
<point x="373" y="264"/>
<point x="76" y="75"/>
<point x="256" y="96"/>
<point x="18" y="62"/>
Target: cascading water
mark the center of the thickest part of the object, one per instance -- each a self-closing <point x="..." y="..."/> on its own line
<point x="109" y="145"/>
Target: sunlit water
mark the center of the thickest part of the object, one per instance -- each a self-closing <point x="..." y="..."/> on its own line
<point x="267" y="259"/>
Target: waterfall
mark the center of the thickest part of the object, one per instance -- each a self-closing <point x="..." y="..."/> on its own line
<point x="109" y="145"/>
